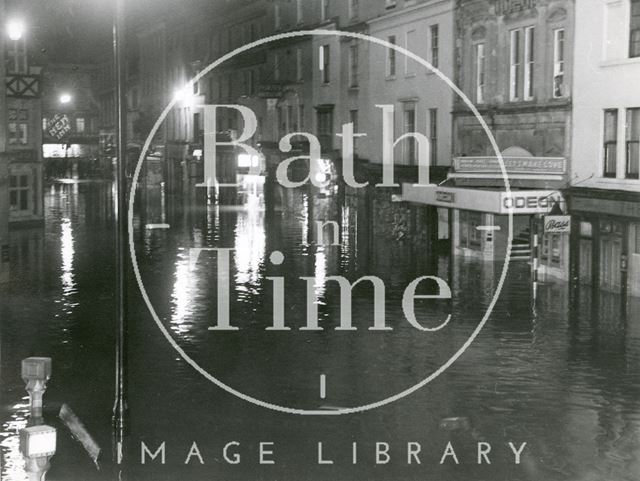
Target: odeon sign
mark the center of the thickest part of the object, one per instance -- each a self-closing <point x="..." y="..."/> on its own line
<point x="530" y="202"/>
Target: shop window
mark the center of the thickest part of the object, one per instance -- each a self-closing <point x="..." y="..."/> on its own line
<point x="19" y="192"/>
<point x="470" y="237"/>
<point x="552" y="249"/>
<point x="636" y="244"/>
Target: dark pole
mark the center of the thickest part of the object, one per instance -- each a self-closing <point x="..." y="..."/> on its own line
<point x="119" y="407"/>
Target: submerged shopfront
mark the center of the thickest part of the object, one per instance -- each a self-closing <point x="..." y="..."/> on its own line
<point x="605" y="240"/>
<point x="479" y="204"/>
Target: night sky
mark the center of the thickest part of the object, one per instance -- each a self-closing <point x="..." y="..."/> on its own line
<point x="79" y="31"/>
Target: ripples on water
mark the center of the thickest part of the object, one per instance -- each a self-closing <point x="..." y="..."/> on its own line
<point x="561" y="376"/>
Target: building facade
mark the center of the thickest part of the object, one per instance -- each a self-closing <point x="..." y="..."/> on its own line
<point x="605" y="188"/>
<point x="68" y="96"/>
<point x="513" y="62"/>
<point x="23" y="147"/>
<point x="4" y="166"/>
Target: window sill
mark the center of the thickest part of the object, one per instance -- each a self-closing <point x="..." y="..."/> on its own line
<point x="620" y="61"/>
<point x="409" y="75"/>
<point x="615" y="180"/>
<point x="390" y="77"/>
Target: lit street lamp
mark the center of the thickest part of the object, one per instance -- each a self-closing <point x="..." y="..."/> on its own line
<point x="65" y="98"/>
<point x="15" y="29"/>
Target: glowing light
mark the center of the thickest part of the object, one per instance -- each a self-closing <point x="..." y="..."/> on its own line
<point x="245" y="160"/>
<point x="250" y="244"/>
<point x="67" y="253"/>
<point x="320" y="177"/>
<point x="65" y="98"/>
<point x="180" y="94"/>
<point x="15" y="29"/>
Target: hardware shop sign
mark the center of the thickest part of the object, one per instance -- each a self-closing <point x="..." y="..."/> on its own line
<point x="557" y="224"/>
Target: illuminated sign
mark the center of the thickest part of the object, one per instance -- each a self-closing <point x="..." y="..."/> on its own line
<point x="65" y="151"/>
<point x="490" y="201"/>
<point x="59" y="126"/>
<point x="513" y="165"/>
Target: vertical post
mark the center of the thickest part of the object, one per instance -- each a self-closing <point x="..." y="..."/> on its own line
<point x="37" y="441"/>
<point x="121" y="233"/>
<point x="536" y="256"/>
<point x="36" y="371"/>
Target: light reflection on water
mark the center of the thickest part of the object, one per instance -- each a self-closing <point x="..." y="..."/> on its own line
<point x="562" y="376"/>
<point x="12" y="460"/>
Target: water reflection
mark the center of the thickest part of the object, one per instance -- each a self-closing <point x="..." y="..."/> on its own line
<point x="563" y="378"/>
<point x="249" y="244"/>
<point x="12" y="460"/>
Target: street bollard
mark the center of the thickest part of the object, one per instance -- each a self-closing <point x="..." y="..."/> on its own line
<point x="37" y="445"/>
<point x="36" y="371"/>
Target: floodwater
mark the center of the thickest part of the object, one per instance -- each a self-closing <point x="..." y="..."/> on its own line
<point x="559" y="374"/>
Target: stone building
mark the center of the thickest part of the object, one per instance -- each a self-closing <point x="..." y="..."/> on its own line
<point x="605" y="189"/>
<point x="514" y="63"/>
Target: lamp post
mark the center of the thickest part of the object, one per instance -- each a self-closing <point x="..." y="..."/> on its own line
<point x="119" y="408"/>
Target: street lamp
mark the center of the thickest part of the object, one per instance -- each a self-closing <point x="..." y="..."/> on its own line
<point x="65" y="98"/>
<point x="15" y="29"/>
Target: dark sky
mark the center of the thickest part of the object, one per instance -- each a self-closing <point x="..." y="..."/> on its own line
<point x="79" y="31"/>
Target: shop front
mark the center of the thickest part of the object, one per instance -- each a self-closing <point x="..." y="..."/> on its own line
<point x="479" y="220"/>
<point x="605" y="240"/>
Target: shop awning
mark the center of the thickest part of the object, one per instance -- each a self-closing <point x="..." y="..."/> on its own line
<point x="483" y="200"/>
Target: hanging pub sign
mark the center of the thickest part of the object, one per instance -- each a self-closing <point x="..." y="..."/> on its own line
<point x="59" y="126"/>
<point x="557" y="224"/>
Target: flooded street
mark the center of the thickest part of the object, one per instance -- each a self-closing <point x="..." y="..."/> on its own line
<point x="559" y="374"/>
